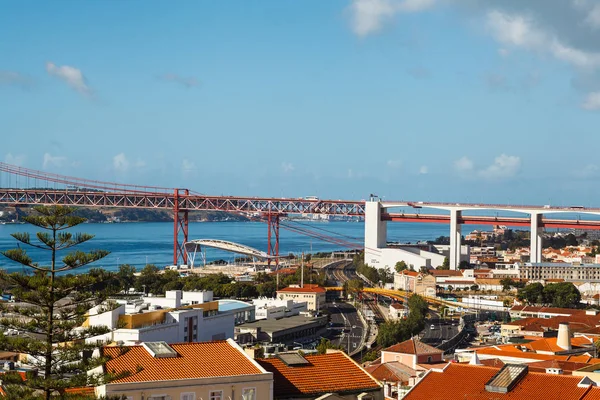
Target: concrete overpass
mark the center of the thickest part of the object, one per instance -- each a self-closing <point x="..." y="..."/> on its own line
<point x="377" y="215"/>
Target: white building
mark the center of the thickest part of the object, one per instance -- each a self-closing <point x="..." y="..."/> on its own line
<point x="313" y="295"/>
<point x="268" y="308"/>
<point x="379" y="255"/>
<point x="176" y="318"/>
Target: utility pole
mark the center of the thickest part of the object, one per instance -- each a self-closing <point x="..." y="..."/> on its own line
<point x="302" y="271"/>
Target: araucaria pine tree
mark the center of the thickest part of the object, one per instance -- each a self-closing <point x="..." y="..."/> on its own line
<point x="51" y="306"/>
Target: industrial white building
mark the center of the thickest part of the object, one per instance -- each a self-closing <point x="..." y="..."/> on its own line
<point x="379" y="255"/>
<point x="268" y="308"/>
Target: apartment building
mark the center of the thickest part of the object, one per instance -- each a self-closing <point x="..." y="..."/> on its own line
<point x="569" y="272"/>
<point x="170" y="318"/>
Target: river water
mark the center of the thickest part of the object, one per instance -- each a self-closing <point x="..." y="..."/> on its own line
<point x="152" y="242"/>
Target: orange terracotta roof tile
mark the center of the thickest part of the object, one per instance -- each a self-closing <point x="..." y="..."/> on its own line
<point x="567" y="366"/>
<point x="468" y="382"/>
<point x="413" y="346"/>
<point x="410" y="273"/>
<point x="194" y="360"/>
<point x="441" y="272"/>
<point x="549" y="344"/>
<point x="308" y="288"/>
<point x="328" y="373"/>
<point x="87" y="391"/>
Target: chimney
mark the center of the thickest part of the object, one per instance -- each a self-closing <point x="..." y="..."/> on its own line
<point x="564" y="336"/>
<point x="474" y="359"/>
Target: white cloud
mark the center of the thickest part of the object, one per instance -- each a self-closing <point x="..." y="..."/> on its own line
<point x="53" y="161"/>
<point x="186" y="82"/>
<point x="187" y="165"/>
<point x="504" y="166"/>
<point x="120" y="162"/>
<point x="592" y="101"/>
<point x="15" y="159"/>
<point x="522" y="31"/>
<point x="369" y="16"/>
<point x="423" y="170"/>
<point x="463" y="164"/>
<point x="394" y="164"/>
<point x="71" y="76"/>
<point x="591" y="10"/>
<point x="287" y="167"/>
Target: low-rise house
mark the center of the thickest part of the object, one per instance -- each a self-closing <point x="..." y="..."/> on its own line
<point x="313" y="295"/>
<point x="416" y="282"/>
<point x="329" y="376"/>
<point x="216" y="370"/>
<point x="403" y="364"/>
<point x="397" y="311"/>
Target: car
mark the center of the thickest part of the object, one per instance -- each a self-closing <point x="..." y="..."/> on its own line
<point x="432" y="327"/>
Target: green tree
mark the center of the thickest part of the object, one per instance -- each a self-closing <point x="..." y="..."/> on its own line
<point x="506" y="283"/>
<point x="370" y="356"/>
<point x="445" y="265"/>
<point x="325" y="344"/>
<point x="401" y="266"/>
<point x="531" y="293"/>
<point x="475" y="287"/>
<point x="58" y="303"/>
<point x="126" y="276"/>
<point x="563" y="294"/>
<point x="148" y="281"/>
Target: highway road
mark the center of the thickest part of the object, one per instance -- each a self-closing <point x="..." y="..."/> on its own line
<point x="442" y="330"/>
<point x="346" y="326"/>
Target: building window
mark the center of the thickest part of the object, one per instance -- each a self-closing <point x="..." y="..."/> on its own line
<point x="249" y="394"/>
<point x="188" y="396"/>
<point x="216" y="395"/>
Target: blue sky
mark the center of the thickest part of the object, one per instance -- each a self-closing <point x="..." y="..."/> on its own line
<point x="435" y="100"/>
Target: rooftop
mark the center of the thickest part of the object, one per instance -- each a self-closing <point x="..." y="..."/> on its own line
<point x="192" y="361"/>
<point x="548" y="310"/>
<point x="469" y="382"/>
<point x="413" y="346"/>
<point x="272" y="325"/>
<point x="334" y="372"/>
<point x="308" y="288"/>
<point x="232" y="305"/>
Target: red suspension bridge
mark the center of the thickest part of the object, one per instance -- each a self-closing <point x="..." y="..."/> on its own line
<point x="23" y="187"/>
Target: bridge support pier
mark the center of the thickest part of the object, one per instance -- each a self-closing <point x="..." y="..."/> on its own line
<point x="375" y="230"/>
<point x="455" y="238"/>
<point x="180" y="226"/>
<point x="273" y="238"/>
<point x="535" y="250"/>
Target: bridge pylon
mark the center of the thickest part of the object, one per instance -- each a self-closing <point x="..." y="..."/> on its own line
<point x="180" y="225"/>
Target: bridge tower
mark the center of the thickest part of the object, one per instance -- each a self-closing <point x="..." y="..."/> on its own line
<point x="180" y="225"/>
<point x="273" y="237"/>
